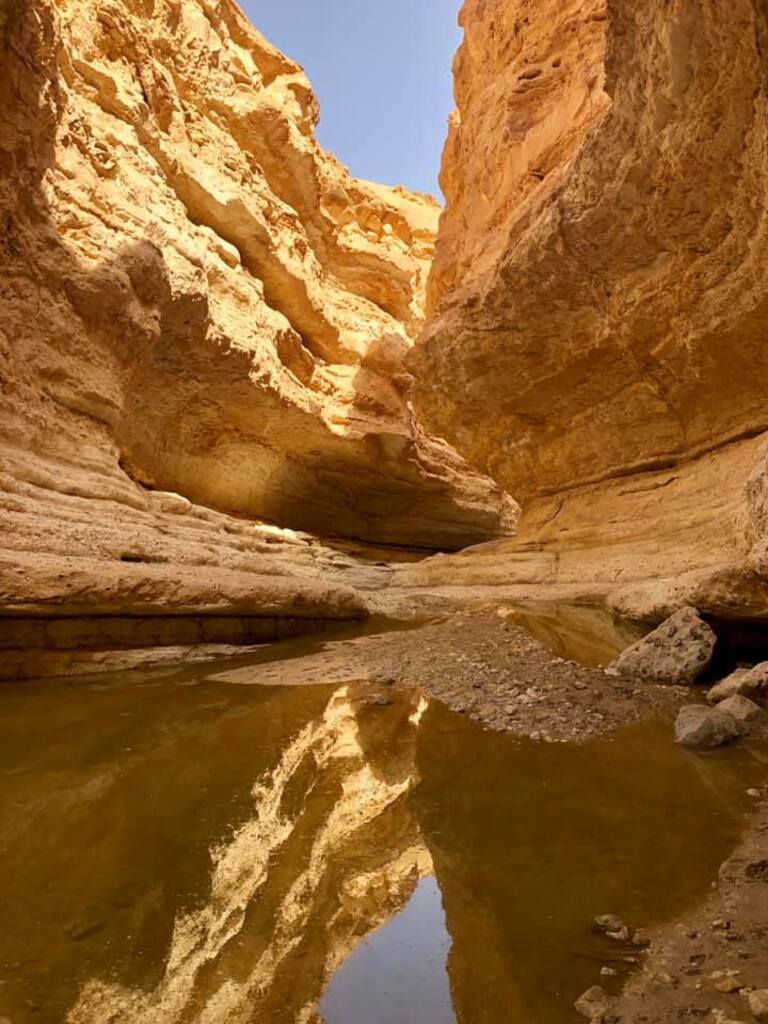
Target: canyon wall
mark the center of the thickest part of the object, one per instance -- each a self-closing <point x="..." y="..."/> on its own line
<point x="599" y="302"/>
<point x="204" y="321"/>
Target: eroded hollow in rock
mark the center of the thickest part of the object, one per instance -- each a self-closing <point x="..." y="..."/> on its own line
<point x="739" y="642"/>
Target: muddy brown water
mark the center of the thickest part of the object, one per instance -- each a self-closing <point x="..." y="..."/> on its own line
<point x="587" y="634"/>
<point x="176" y="849"/>
<point x="591" y="635"/>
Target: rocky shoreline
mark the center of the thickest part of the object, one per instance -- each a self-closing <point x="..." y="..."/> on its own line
<point x="711" y="965"/>
<point x="481" y="665"/>
<point x="485" y="666"/>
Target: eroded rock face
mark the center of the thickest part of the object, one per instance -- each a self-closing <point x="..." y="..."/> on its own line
<point x="198" y="300"/>
<point x="598" y="306"/>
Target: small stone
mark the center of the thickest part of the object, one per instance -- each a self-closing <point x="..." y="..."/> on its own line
<point x="752" y="683"/>
<point x="729" y="985"/>
<point x="728" y="687"/>
<point x="704" y="728"/>
<point x="593" y="1003"/>
<point x="607" y="923"/>
<point x="609" y="972"/>
<point x="753" y="793"/>
<point x="757" y="871"/>
<point x="641" y="939"/>
<point x="382" y="679"/>
<point x="758" y="1004"/>
<point x="742" y="708"/>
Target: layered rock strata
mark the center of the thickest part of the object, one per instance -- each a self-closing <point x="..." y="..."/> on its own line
<point x="200" y="310"/>
<point x="598" y="300"/>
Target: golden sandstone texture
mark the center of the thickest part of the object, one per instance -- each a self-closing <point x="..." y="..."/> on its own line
<point x="599" y="301"/>
<point x="203" y="317"/>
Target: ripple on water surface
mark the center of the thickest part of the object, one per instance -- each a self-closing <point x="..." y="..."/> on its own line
<point x="177" y="849"/>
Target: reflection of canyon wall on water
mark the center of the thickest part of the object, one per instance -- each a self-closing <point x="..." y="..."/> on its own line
<point x="330" y="853"/>
<point x="597" y="332"/>
<point x="183" y="850"/>
<point x="540" y="835"/>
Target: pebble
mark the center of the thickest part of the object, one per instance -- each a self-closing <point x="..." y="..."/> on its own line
<point x="758" y="1005"/>
<point x="608" y="923"/>
<point x="594" y="1002"/>
<point x="729" y="985"/>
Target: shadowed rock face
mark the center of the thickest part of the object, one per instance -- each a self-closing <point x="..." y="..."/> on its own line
<point x="598" y="301"/>
<point x="199" y="300"/>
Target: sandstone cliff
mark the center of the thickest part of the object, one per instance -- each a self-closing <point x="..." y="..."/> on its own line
<point x="201" y="311"/>
<point x="599" y="302"/>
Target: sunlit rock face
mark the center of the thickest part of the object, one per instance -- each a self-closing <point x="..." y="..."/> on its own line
<point x="598" y="302"/>
<point x="197" y="300"/>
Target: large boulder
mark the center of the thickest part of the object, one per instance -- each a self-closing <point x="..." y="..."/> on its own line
<point x="703" y="727"/>
<point x="678" y="652"/>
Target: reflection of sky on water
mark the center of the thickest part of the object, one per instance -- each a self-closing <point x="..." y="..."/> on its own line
<point x="400" y="972"/>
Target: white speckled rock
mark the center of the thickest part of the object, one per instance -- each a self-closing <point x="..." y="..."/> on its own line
<point x="678" y="652"/>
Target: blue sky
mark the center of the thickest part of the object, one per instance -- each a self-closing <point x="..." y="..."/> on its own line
<point x="382" y="72"/>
